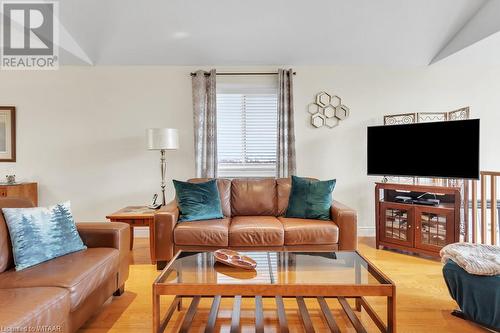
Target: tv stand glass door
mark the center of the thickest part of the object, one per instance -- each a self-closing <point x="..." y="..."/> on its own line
<point x="396" y="223"/>
<point x="434" y="228"/>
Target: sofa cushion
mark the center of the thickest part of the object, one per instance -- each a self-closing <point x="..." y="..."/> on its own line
<point x="255" y="231"/>
<point x="207" y="233"/>
<point x="80" y="273"/>
<point x="283" y="187"/>
<point x="28" y="308"/>
<point x="6" y="257"/>
<point x="198" y="201"/>
<point x="253" y="197"/>
<point x="309" y="232"/>
<point x="224" y="186"/>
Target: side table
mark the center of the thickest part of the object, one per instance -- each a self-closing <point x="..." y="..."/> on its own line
<point x="136" y="216"/>
<point x="22" y="189"/>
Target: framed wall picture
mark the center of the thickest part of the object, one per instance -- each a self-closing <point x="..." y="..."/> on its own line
<point x="7" y="134"/>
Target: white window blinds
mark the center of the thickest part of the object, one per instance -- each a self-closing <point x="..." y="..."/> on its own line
<point x="246" y="126"/>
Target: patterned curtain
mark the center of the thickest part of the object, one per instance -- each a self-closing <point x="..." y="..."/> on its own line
<point x="286" y="135"/>
<point x="205" y="123"/>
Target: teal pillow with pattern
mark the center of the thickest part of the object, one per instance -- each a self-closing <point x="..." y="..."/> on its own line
<point x="198" y="201"/>
<point x="310" y="199"/>
<point x="39" y="234"/>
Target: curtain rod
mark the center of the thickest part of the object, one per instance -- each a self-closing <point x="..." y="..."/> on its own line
<point x="243" y="73"/>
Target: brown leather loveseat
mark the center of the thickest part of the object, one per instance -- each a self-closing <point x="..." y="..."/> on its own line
<point x="61" y="294"/>
<point x="253" y="220"/>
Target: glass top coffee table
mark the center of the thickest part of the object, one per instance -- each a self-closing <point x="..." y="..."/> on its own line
<point x="319" y="275"/>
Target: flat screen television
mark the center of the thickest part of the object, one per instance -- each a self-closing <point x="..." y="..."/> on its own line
<point x="448" y="149"/>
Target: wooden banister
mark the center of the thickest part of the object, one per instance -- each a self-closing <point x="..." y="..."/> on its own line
<point x="474" y="211"/>
<point x="494" y="210"/>
<point x="486" y="226"/>
<point x="484" y="202"/>
<point x="491" y="173"/>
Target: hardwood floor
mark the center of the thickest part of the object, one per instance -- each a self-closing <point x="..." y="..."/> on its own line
<point x="424" y="304"/>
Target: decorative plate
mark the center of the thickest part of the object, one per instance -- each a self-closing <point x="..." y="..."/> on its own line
<point x="234" y="259"/>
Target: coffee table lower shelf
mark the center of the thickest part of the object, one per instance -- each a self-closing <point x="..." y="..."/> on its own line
<point x="159" y="324"/>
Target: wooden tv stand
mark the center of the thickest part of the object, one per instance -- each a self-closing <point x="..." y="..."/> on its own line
<point x="414" y="227"/>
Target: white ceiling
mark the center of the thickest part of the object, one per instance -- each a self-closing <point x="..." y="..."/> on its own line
<point x="266" y="32"/>
<point x="483" y="53"/>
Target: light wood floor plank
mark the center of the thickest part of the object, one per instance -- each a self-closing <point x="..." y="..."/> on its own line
<point x="423" y="302"/>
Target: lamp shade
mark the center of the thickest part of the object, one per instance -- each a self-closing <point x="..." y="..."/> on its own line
<point x="162" y="138"/>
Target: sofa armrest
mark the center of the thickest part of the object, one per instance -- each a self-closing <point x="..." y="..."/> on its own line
<point x="109" y="234"/>
<point x="105" y="234"/>
<point x="346" y="220"/>
<point x="163" y="231"/>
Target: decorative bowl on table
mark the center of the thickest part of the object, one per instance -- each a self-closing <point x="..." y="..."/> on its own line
<point x="234" y="259"/>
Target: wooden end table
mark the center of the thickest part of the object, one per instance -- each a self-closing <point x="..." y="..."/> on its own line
<point x="136" y="216"/>
<point x="298" y="275"/>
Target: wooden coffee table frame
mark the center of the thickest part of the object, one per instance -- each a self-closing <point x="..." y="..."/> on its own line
<point x="320" y="292"/>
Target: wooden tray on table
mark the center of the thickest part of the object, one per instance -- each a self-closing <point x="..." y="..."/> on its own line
<point x="234" y="259"/>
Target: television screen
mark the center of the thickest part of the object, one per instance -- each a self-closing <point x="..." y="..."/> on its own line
<point x="448" y="149"/>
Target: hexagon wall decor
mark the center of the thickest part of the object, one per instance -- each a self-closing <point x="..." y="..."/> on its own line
<point x="341" y="112"/>
<point x="327" y="110"/>
<point x="323" y="99"/>
<point x="313" y="108"/>
<point x="332" y="122"/>
<point x="336" y="101"/>
<point x="318" y="120"/>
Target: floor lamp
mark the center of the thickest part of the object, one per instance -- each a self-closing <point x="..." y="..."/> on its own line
<point x="162" y="139"/>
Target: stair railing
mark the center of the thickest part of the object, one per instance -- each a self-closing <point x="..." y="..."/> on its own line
<point x="484" y="210"/>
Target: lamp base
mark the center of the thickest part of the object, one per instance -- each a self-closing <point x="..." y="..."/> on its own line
<point x="163" y="169"/>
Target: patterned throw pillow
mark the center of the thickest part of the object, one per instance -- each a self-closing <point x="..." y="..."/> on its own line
<point x="39" y="234"/>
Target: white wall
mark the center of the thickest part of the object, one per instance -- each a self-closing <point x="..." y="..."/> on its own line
<point x="81" y="133"/>
<point x="81" y="129"/>
<point x="373" y="92"/>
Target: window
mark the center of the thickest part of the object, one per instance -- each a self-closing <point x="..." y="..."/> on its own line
<point x="247" y="111"/>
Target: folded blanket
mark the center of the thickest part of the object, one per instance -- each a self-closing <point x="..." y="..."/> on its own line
<point x="478" y="259"/>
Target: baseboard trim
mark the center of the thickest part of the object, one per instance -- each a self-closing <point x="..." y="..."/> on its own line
<point x="141" y="232"/>
<point x="366" y="231"/>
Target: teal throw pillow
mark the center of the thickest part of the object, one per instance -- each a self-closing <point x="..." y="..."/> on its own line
<point x="198" y="201"/>
<point x="310" y="199"/>
<point x="39" y="234"/>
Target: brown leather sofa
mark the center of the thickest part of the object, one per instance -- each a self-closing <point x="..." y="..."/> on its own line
<point x="253" y="220"/>
<point x="61" y="294"/>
